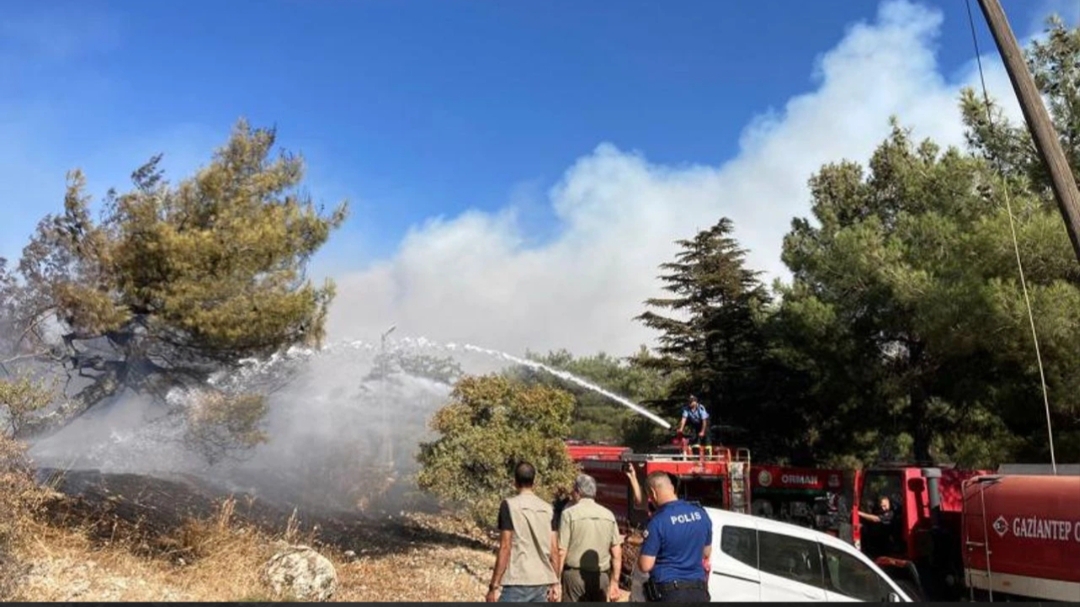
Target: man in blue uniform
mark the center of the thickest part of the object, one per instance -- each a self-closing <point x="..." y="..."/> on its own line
<point x="677" y="547"/>
<point x="695" y="419"/>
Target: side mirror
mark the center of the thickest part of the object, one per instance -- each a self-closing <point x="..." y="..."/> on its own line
<point x="894" y="598"/>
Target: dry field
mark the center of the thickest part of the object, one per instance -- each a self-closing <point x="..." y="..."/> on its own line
<point x="131" y="538"/>
<point x="132" y="546"/>
<point x="64" y="564"/>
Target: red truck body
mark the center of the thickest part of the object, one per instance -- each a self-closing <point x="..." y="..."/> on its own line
<point x="769" y="477"/>
<point x="804" y="496"/>
<point x="810" y="497"/>
<point x="1022" y="536"/>
<point x="938" y="544"/>
<point x="718" y="481"/>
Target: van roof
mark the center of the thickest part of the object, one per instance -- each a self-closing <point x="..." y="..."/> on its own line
<point x="764" y="524"/>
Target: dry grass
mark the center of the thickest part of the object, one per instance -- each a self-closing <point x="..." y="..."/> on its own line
<point x="72" y="565"/>
<point x="65" y="553"/>
<point x="66" y="564"/>
<point x="16" y="487"/>
<point x="55" y="548"/>
<point x="229" y="570"/>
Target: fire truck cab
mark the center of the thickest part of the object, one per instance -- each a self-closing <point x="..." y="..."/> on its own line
<point x="920" y="546"/>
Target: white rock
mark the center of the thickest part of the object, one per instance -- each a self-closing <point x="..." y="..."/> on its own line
<point x="301" y="573"/>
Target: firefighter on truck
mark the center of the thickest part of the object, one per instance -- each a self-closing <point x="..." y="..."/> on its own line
<point x="696" y="418"/>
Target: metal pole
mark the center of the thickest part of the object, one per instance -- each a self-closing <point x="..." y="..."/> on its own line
<point x="1047" y="145"/>
<point x="1038" y="120"/>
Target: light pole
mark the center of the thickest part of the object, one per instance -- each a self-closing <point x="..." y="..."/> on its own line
<point x="382" y="406"/>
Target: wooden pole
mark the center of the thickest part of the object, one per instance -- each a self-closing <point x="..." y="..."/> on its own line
<point x="1038" y="120"/>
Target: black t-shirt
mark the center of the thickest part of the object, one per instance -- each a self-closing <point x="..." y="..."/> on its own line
<point x="887" y="517"/>
<point x="507" y="524"/>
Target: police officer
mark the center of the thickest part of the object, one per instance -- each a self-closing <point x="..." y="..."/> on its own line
<point x="677" y="547"/>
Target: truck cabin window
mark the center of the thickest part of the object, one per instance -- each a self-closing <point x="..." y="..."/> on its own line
<point x="884" y="537"/>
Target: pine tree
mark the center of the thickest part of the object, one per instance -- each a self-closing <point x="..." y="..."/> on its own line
<point x="711" y="339"/>
<point x="175" y="281"/>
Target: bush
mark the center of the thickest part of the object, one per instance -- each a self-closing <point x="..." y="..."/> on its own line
<point x="221" y="425"/>
<point x="16" y="487"/>
<point x="21" y="400"/>
<point x="490" y="425"/>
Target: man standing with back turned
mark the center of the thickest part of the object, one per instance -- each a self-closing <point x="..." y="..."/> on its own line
<point x="525" y="567"/>
<point x="590" y="548"/>
<point x="678" y="544"/>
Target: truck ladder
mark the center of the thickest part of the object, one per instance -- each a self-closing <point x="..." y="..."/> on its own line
<point x="739" y="481"/>
<point x="975" y="579"/>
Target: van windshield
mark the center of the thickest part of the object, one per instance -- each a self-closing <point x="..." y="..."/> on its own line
<point x="847" y="575"/>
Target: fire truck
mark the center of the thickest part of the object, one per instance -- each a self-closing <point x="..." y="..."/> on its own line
<point x="727" y="479"/>
<point x="721" y="480"/>
<point x="809" y="497"/>
<point x="972" y="534"/>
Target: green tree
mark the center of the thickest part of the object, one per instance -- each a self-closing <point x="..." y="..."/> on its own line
<point x="175" y="281"/>
<point x="596" y="417"/>
<point x="711" y="342"/>
<point x="442" y="369"/>
<point x="490" y="425"/>
<point x="907" y="299"/>
<point x="1009" y="146"/>
<point x="219" y="425"/>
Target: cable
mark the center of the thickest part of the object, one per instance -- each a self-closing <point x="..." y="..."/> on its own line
<point x="1016" y="244"/>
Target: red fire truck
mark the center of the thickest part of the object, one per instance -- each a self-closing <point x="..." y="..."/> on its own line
<point x="949" y="522"/>
<point x="810" y="497"/>
<point x="804" y="496"/>
<point x="1021" y="537"/>
<point x="720" y="481"/>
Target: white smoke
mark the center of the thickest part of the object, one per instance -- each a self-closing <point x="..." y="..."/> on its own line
<point x="472" y="278"/>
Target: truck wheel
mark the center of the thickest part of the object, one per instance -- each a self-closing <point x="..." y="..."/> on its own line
<point x="910" y="589"/>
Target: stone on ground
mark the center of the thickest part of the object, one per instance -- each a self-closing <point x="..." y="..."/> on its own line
<point x="301" y="573"/>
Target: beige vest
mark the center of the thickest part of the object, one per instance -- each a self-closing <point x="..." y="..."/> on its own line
<point x="530" y="550"/>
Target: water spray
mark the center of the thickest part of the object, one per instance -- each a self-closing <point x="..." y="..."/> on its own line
<point x="568" y="377"/>
<point x="319" y="423"/>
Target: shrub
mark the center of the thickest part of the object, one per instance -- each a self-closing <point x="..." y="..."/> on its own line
<point x="490" y="425"/>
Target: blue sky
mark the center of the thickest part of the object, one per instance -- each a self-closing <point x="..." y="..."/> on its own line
<point x="417" y="109"/>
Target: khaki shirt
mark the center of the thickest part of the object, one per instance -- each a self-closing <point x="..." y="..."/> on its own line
<point x="530" y="550"/>
<point x="587" y="532"/>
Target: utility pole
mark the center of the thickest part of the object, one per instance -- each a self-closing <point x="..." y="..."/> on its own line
<point x="1048" y="146"/>
<point x="1038" y="120"/>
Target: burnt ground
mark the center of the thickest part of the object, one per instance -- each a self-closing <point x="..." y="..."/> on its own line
<point x="153" y="511"/>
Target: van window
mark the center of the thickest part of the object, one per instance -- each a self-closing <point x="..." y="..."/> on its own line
<point x="740" y="544"/>
<point x="790" y="557"/>
<point x="851" y="577"/>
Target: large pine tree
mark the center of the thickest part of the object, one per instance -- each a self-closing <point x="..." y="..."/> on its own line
<point x="710" y="340"/>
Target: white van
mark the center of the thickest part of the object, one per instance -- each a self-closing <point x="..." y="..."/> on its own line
<point x="759" y="559"/>
<point x="756" y="559"/>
